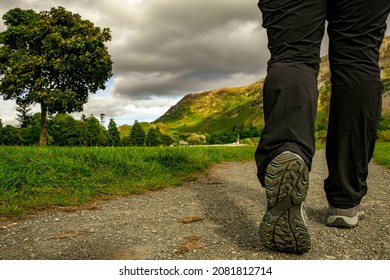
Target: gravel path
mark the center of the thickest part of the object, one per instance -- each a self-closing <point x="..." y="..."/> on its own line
<point x="215" y="217"/>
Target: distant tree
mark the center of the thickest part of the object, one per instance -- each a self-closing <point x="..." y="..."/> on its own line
<point x="222" y="137"/>
<point x="24" y="117"/>
<point x="153" y="137"/>
<point x="66" y="131"/>
<point x="245" y="131"/>
<point x="31" y="134"/>
<point x="137" y="135"/>
<point x="113" y="136"/>
<point x="94" y="133"/>
<point x="11" y="136"/>
<point x="102" y="119"/>
<point x="196" y="139"/>
<point x="52" y="58"/>
<point x="125" y="141"/>
<point x="166" y="140"/>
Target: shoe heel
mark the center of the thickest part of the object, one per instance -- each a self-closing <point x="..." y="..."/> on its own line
<point x="283" y="227"/>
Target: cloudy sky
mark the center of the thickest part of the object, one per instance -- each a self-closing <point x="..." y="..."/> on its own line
<point x="163" y="50"/>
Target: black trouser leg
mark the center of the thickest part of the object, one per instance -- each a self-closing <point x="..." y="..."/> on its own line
<point x="295" y="30"/>
<point x="356" y="29"/>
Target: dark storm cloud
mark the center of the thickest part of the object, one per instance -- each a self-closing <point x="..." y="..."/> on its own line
<point x="171" y="47"/>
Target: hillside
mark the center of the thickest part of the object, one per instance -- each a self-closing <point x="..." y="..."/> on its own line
<point x="220" y="109"/>
<point x="227" y="109"/>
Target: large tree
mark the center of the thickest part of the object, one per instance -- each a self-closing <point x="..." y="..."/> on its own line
<point x="52" y="58"/>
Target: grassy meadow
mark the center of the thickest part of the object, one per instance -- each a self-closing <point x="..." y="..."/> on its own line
<point x="32" y="179"/>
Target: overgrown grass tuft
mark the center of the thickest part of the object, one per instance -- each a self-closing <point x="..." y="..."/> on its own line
<point x="32" y="178"/>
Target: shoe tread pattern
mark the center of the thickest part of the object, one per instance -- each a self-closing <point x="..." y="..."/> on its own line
<point x="283" y="227"/>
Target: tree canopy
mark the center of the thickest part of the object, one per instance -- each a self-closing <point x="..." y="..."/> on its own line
<point x="88" y="131"/>
<point x="137" y="135"/>
<point x="114" y="138"/>
<point x="52" y="58"/>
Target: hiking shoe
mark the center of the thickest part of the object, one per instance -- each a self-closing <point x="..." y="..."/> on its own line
<point x="344" y="218"/>
<point x="284" y="226"/>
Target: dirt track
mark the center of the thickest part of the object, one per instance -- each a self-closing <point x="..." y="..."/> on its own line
<point x="215" y="217"/>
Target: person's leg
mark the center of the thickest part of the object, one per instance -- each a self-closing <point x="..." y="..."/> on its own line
<point x="356" y="29"/>
<point x="295" y="29"/>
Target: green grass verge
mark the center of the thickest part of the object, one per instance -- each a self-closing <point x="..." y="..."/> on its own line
<point x="32" y="179"/>
<point x="382" y="154"/>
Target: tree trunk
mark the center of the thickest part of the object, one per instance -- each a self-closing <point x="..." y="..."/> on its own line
<point x="43" y="135"/>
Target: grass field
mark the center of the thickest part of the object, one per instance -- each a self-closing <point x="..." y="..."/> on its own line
<point x="382" y="154"/>
<point x="32" y="179"/>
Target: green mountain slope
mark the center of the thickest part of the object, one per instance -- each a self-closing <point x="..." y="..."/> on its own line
<point x="228" y="109"/>
<point x="217" y="110"/>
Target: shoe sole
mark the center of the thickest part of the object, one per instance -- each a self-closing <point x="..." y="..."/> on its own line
<point x="283" y="227"/>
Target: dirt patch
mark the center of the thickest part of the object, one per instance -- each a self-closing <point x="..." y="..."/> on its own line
<point x="191" y="243"/>
<point x="189" y="219"/>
